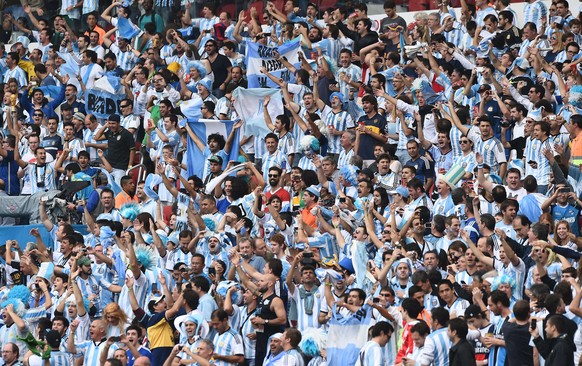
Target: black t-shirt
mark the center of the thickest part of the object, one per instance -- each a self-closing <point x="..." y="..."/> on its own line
<point x="220" y="70"/>
<point x="367" y="142"/>
<point x="517" y="337"/>
<point x="119" y="146"/>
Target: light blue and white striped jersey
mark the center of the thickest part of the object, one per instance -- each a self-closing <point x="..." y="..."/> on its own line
<point x="341" y="121"/>
<point x="455" y="36"/>
<point x="306" y="163"/>
<point x="228" y="343"/>
<point x="90" y="352"/>
<point x="276" y="159"/>
<point x="468" y="162"/>
<point x="353" y="72"/>
<point x="443" y="206"/>
<point x="441" y="161"/>
<point x="458" y="307"/>
<point x="533" y="152"/>
<point x="455" y="136"/>
<point x="497" y="354"/>
<point x="212" y="257"/>
<point x="8" y="334"/>
<point x="246" y="328"/>
<point x="73" y="14"/>
<point x="163" y="3"/>
<point x="535" y="12"/>
<point x="387" y="181"/>
<point x="287" y="144"/>
<point x="125" y="60"/>
<point x="180" y="256"/>
<point x="35" y="174"/>
<point x="16" y="73"/>
<point x="515" y="272"/>
<point x="291" y="358"/>
<point x="344" y="158"/>
<point x="481" y="14"/>
<point x="371" y="355"/>
<point x="298" y="92"/>
<point x="330" y="47"/>
<point x="140" y="289"/>
<point x="204" y="23"/>
<point x="491" y="149"/>
<point x="305" y="320"/>
<point x="58" y="358"/>
<point x="89" y="287"/>
<point x="436" y="348"/>
<point x="89" y="6"/>
<point x="234" y="319"/>
<point x="222" y="107"/>
<point x="465" y="277"/>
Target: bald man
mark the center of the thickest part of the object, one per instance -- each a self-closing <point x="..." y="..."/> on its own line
<point x="92" y="348"/>
<point x="272" y="316"/>
<point x="142" y="361"/>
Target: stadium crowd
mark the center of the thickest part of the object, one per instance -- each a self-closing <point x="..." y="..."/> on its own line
<point x="416" y="202"/>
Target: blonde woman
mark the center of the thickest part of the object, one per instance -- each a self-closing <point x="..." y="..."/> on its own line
<point x="115" y="319"/>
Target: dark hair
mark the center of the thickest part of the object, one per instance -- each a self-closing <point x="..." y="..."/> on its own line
<point x="498" y="296"/>
<point x="459" y="325"/>
<point x="218" y="138"/>
<point x="62" y="319"/>
<point x="558" y="321"/>
<point x="521" y="310"/>
<point x="440" y="315"/>
<point x="294" y="336"/>
<point x="136" y="328"/>
<point x="220" y="315"/>
<point x="412" y="307"/>
<point x="202" y="282"/>
<point x="382" y="327"/>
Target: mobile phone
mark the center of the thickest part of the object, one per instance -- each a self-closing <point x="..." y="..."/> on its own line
<point x="154" y="287"/>
<point x="534" y="324"/>
<point x="115" y="339"/>
<point x="479" y="69"/>
<point x="376" y="300"/>
<point x="342" y="199"/>
<point x="44" y="198"/>
<point x="212" y="271"/>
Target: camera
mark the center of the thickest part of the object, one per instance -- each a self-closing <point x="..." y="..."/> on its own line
<point x="307" y="259"/>
<point x="115" y="339"/>
<point x="506" y="123"/>
<point x="376" y="300"/>
<point x="40" y="184"/>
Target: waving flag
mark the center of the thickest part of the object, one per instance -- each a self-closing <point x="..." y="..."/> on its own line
<point x="203" y="128"/>
<point x="191" y="108"/>
<point x="249" y="105"/>
<point x="259" y="55"/>
<point x="127" y="29"/>
<point x="342" y="350"/>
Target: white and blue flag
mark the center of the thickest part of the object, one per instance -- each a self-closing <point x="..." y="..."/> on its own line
<point x="204" y="128"/>
<point x="259" y="55"/>
<point x="249" y="105"/>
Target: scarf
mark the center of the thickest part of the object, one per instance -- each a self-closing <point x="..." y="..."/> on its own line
<point x="307" y="298"/>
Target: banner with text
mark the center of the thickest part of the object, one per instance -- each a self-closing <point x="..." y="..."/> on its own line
<point x="259" y="56"/>
<point x="102" y="104"/>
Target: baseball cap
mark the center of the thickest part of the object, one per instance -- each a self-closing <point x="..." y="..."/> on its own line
<point x="401" y="191"/>
<point x="215" y="159"/>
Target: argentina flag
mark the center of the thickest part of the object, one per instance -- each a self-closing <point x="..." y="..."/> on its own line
<point x="342" y="350"/>
<point x="202" y="128"/>
<point x="259" y="55"/>
<point x="249" y="105"/>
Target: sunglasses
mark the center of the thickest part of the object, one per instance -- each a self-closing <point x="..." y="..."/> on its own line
<point x="464" y="141"/>
<point x="273" y="176"/>
<point x="123" y="106"/>
<point x="37" y="115"/>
